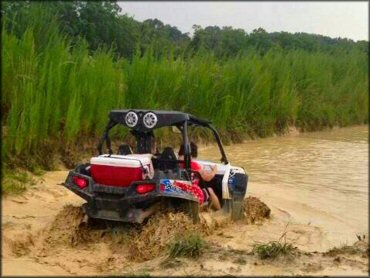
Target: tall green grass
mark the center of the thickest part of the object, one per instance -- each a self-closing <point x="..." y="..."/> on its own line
<point x="56" y="94"/>
<point x="254" y="94"/>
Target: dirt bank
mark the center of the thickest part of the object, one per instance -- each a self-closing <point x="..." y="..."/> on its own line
<point x="46" y="233"/>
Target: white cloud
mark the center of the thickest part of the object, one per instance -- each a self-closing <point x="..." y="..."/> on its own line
<point x="334" y="19"/>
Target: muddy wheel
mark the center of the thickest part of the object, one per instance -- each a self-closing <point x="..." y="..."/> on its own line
<point x="237" y="208"/>
<point x="95" y="223"/>
<point x="192" y="209"/>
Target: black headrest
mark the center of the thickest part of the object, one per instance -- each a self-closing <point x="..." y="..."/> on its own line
<point x="168" y="154"/>
<point x="124" y="149"/>
<point x="167" y="159"/>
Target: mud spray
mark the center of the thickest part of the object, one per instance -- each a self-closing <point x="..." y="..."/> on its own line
<point x="73" y="244"/>
<point x="143" y="242"/>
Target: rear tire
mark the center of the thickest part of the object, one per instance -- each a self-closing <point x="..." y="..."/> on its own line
<point x="191" y="208"/>
<point x="96" y="223"/>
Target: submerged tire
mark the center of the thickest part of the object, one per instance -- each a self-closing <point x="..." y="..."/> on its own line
<point x="237" y="208"/>
<point x="96" y="223"/>
<point x="192" y="209"/>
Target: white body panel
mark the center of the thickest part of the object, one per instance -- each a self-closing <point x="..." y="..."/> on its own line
<point x="221" y="168"/>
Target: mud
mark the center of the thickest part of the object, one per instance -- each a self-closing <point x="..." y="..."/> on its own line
<point x="361" y="248"/>
<point x="45" y="232"/>
<point x="255" y="210"/>
<point x="21" y="247"/>
<point x="140" y="243"/>
<point x="67" y="228"/>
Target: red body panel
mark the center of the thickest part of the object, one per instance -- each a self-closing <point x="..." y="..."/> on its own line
<point x="115" y="176"/>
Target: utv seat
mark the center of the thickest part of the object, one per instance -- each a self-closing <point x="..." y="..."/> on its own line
<point x="167" y="159"/>
<point x="124" y="149"/>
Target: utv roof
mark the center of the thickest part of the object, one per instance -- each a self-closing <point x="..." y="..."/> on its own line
<point x="142" y="119"/>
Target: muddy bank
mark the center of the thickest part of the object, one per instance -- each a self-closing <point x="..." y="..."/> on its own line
<point x="46" y="233"/>
<point x="113" y="244"/>
<point x="135" y="249"/>
<point x="71" y="228"/>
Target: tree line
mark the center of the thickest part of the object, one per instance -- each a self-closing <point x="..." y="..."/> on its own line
<point x="65" y="65"/>
<point x="105" y="25"/>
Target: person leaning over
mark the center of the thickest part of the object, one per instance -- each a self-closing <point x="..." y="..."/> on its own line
<point x="203" y="173"/>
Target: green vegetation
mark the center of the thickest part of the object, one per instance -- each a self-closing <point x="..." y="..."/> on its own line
<point x="273" y="249"/>
<point x="345" y="249"/>
<point x="15" y="182"/>
<point x="138" y="274"/>
<point x="361" y="247"/>
<point x="105" y="24"/>
<point x="64" y="70"/>
<point x="53" y="96"/>
<point x="189" y="245"/>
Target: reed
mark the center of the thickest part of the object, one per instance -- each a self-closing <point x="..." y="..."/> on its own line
<point x="56" y="93"/>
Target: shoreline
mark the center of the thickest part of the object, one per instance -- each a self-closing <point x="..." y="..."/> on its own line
<point x="72" y="157"/>
<point x="290" y="131"/>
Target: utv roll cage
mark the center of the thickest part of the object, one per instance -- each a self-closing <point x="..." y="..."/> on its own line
<point x="143" y="122"/>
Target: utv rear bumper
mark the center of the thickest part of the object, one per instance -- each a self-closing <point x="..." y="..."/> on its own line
<point x="120" y="203"/>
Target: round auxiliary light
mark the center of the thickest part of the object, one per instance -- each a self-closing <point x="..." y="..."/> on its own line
<point x="150" y="120"/>
<point x="131" y="119"/>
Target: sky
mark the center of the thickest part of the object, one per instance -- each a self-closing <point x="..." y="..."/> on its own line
<point x="333" y="19"/>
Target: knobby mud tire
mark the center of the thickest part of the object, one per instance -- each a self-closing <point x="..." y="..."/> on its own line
<point x="237" y="208"/>
<point x="192" y="209"/>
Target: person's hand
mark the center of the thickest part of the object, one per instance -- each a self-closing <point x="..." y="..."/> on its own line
<point x="210" y="168"/>
<point x="214" y="168"/>
<point x="208" y="172"/>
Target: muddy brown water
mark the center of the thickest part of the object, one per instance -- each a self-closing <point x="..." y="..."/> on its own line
<point x="316" y="185"/>
<point x="318" y="178"/>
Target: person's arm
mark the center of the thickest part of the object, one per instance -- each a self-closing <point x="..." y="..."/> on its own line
<point x="208" y="176"/>
<point x="214" y="199"/>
